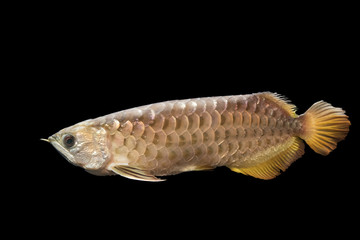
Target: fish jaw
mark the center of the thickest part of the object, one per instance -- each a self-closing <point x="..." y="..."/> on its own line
<point x="68" y="156"/>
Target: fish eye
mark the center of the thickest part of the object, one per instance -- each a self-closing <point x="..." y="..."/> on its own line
<point x="68" y="140"/>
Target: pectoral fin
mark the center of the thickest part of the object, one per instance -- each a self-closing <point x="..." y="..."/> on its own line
<point x="135" y="174"/>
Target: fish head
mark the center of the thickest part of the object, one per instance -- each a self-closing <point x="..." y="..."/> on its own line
<point x="83" y="145"/>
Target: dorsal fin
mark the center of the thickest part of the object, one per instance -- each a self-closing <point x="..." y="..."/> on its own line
<point x="282" y="101"/>
<point x="279" y="159"/>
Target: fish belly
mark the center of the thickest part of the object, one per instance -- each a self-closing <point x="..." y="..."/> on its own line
<point x="196" y="134"/>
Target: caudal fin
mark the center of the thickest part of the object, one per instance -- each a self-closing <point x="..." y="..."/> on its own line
<point x="324" y="126"/>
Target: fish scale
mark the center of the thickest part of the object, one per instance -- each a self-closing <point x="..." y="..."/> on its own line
<point x="257" y="134"/>
<point x="200" y="133"/>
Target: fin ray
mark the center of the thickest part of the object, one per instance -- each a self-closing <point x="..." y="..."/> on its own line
<point x="274" y="164"/>
<point x="282" y="101"/>
<point x="135" y="174"/>
<point x="324" y="127"/>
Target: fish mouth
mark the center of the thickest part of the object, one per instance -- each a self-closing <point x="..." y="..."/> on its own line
<point x="53" y="140"/>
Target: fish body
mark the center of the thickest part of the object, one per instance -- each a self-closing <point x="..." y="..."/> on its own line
<point x="257" y="134"/>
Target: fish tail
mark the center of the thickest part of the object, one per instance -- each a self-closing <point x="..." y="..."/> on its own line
<point x="324" y="126"/>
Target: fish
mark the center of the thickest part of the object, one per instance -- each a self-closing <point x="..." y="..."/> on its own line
<point x="258" y="134"/>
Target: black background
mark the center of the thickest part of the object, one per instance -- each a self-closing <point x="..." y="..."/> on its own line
<point x="81" y="68"/>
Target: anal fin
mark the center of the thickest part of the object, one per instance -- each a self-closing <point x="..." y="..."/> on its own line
<point x="135" y="173"/>
<point x="276" y="161"/>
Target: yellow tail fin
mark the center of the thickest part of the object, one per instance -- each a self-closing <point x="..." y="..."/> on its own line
<point x="324" y="126"/>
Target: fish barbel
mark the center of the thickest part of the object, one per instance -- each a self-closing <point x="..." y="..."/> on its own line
<point x="257" y="134"/>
